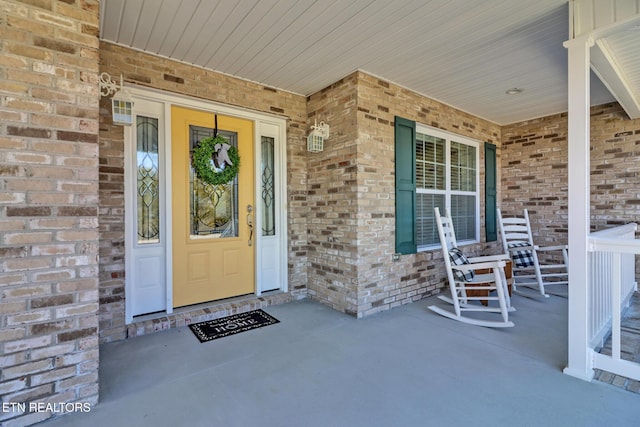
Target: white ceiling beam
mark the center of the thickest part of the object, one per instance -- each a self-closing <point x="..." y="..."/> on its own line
<point x="604" y="64"/>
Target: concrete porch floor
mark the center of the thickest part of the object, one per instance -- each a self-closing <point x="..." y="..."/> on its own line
<point x="317" y="367"/>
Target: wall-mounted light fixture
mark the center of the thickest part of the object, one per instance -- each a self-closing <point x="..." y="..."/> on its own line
<point x="315" y="140"/>
<point x="121" y="103"/>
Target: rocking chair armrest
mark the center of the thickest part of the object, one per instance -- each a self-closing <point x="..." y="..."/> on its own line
<point x="554" y="248"/>
<point x="489" y="258"/>
<point x="479" y="265"/>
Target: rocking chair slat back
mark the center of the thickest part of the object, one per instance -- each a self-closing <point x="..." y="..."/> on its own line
<point x="517" y="241"/>
<point x="465" y="279"/>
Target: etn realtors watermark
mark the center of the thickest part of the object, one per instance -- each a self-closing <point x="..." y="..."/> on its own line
<point x="54" y="408"/>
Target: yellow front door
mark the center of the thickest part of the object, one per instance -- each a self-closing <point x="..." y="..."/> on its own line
<point x="213" y="256"/>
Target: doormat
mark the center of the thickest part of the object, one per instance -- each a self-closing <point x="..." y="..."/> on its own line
<point x="230" y="325"/>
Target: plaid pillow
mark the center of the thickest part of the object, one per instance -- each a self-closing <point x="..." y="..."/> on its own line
<point x="521" y="259"/>
<point x="457" y="258"/>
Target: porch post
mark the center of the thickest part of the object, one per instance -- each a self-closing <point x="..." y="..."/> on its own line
<point x="579" y="358"/>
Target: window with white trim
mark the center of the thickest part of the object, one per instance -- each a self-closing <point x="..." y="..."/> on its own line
<point x="447" y="177"/>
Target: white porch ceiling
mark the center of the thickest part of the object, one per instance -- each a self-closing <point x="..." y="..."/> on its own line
<point x="463" y="53"/>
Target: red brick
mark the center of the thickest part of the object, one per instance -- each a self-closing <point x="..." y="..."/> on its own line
<point x="29" y="132"/>
<point x="29" y="211"/>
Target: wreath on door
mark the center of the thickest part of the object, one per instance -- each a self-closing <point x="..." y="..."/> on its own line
<point x="215" y="161"/>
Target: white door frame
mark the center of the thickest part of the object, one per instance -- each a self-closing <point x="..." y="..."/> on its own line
<point x="265" y="125"/>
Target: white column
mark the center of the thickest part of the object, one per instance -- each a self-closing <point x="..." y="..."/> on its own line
<point x="580" y="356"/>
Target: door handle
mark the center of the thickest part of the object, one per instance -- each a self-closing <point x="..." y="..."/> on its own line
<point x="250" y="224"/>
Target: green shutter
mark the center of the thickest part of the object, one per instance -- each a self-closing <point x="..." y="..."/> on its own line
<point x="405" y="154"/>
<point x="490" y="191"/>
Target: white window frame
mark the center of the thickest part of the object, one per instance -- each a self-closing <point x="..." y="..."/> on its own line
<point x="447" y="192"/>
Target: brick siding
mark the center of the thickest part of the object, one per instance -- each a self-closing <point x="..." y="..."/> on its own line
<point x="384" y="283"/>
<point x="615" y="167"/>
<point x="49" y="205"/>
<point x="332" y="204"/>
<point x="352" y="195"/>
<point x="534" y="171"/>
<point x="534" y="175"/>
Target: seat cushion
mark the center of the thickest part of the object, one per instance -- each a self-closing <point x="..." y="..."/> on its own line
<point x="524" y="258"/>
<point x="457" y="258"/>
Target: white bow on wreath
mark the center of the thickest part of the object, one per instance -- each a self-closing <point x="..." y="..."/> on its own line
<point x="220" y="156"/>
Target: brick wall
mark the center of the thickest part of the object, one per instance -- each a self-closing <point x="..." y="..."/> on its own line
<point x="534" y="171"/>
<point x="534" y="175"/>
<point x="615" y="167"/>
<point x="161" y="73"/>
<point x="332" y="198"/>
<point x="48" y="211"/>
<point x="111" y="220"/>
<point x="382" y="282"/>
<point x="352" y="196"/>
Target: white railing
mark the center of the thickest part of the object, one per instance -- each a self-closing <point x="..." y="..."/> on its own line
<point x="612" y="279"/>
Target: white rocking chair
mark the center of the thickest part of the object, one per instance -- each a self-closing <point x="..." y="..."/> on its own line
<point x="528" y="271"/>
<point x="463" y="279"/>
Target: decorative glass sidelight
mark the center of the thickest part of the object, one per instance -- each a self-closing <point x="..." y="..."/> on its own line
<point x="213" y="209"/>
<point x="148" y="190"/>
<point x="268" y="187"/>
